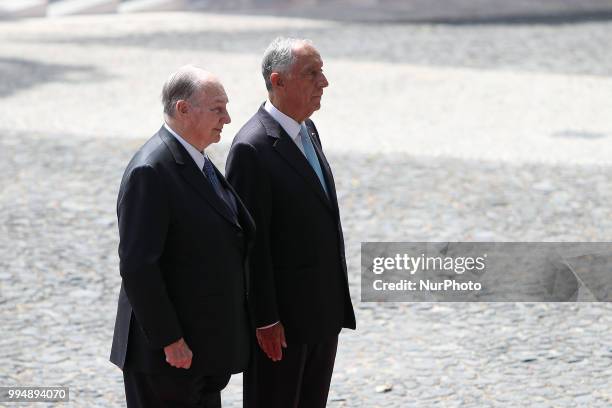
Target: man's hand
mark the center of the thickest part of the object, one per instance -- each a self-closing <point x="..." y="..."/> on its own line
<point x="178" y="354"/>
<point x="272" y="341"/>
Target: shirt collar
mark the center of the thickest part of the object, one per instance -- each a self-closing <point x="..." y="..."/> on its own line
<point x="289" y="124"/>
<point x="196" y="155"/>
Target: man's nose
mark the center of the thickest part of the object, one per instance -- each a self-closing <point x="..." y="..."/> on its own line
<point x="228" y="118"/>
<point x="323" y="82"/>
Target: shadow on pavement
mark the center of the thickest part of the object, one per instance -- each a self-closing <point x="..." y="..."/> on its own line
<point x="491" y="47"/>
<point x="551" y="19"/>
<point x="375" y="16"/>
<point x="19" y="74"/>
<point x="453" y="12"/>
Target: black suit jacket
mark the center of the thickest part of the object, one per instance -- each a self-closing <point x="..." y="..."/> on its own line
<point x="298" y="265"/>
<point x="183" y="263"/>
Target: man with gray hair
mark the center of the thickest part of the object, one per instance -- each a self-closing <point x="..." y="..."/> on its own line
<point x="182" y="324"/>
<point x="299" y="284"/>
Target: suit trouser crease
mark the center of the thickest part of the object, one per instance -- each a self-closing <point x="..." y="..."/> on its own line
<point x="300" y="380"/>
<point x="144" y="390"/>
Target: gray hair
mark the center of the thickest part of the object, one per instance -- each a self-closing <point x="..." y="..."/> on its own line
<point x="278" y="57"/>
<point x="181" y="85"/>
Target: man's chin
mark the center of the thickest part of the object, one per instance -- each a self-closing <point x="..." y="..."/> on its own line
<point x="215" y="137"/>
<point x="315" y="108"/>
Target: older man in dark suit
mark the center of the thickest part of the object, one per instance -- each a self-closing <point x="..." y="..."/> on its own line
<point x="299" y="283"/>
<point x="182" y="323"/>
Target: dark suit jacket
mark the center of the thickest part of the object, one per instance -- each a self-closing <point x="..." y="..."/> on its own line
<point x="298" y="267"/>
<point x="183" y="263"/>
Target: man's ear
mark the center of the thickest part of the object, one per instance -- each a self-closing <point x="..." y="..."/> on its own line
<point x="182" y="107"/>
<point x="277" y="80"/>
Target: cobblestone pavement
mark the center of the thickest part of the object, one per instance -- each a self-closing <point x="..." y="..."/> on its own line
<point x="434" y="133"/>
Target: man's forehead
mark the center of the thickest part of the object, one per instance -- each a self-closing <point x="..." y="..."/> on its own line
<point x="216" y="98"/>
<point x="306" y="50"/>
<point x="310" y="59"/>
<point x="213" y="92"/>
<point x="220" y="99"/>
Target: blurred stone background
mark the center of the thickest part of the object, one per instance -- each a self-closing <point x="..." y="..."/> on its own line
<point x="444" y="121"/>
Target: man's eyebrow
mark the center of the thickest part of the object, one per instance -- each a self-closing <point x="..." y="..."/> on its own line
<point x="314" y="65"/>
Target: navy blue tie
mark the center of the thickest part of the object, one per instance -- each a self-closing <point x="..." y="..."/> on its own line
<point x="211" y="175"/>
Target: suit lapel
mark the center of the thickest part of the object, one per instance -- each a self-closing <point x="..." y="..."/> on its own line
<point x="292" y="155"/>
<point x="195" y="177"/>
<point x="246" y="221"/>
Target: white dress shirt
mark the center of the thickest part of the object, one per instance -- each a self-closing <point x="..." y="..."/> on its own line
<point x="289" y="124"/>
<point x="196" y="155"/>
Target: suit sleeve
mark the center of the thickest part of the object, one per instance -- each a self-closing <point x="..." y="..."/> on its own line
<point x="143" y="215"/>
<point x="251" y="181"/>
